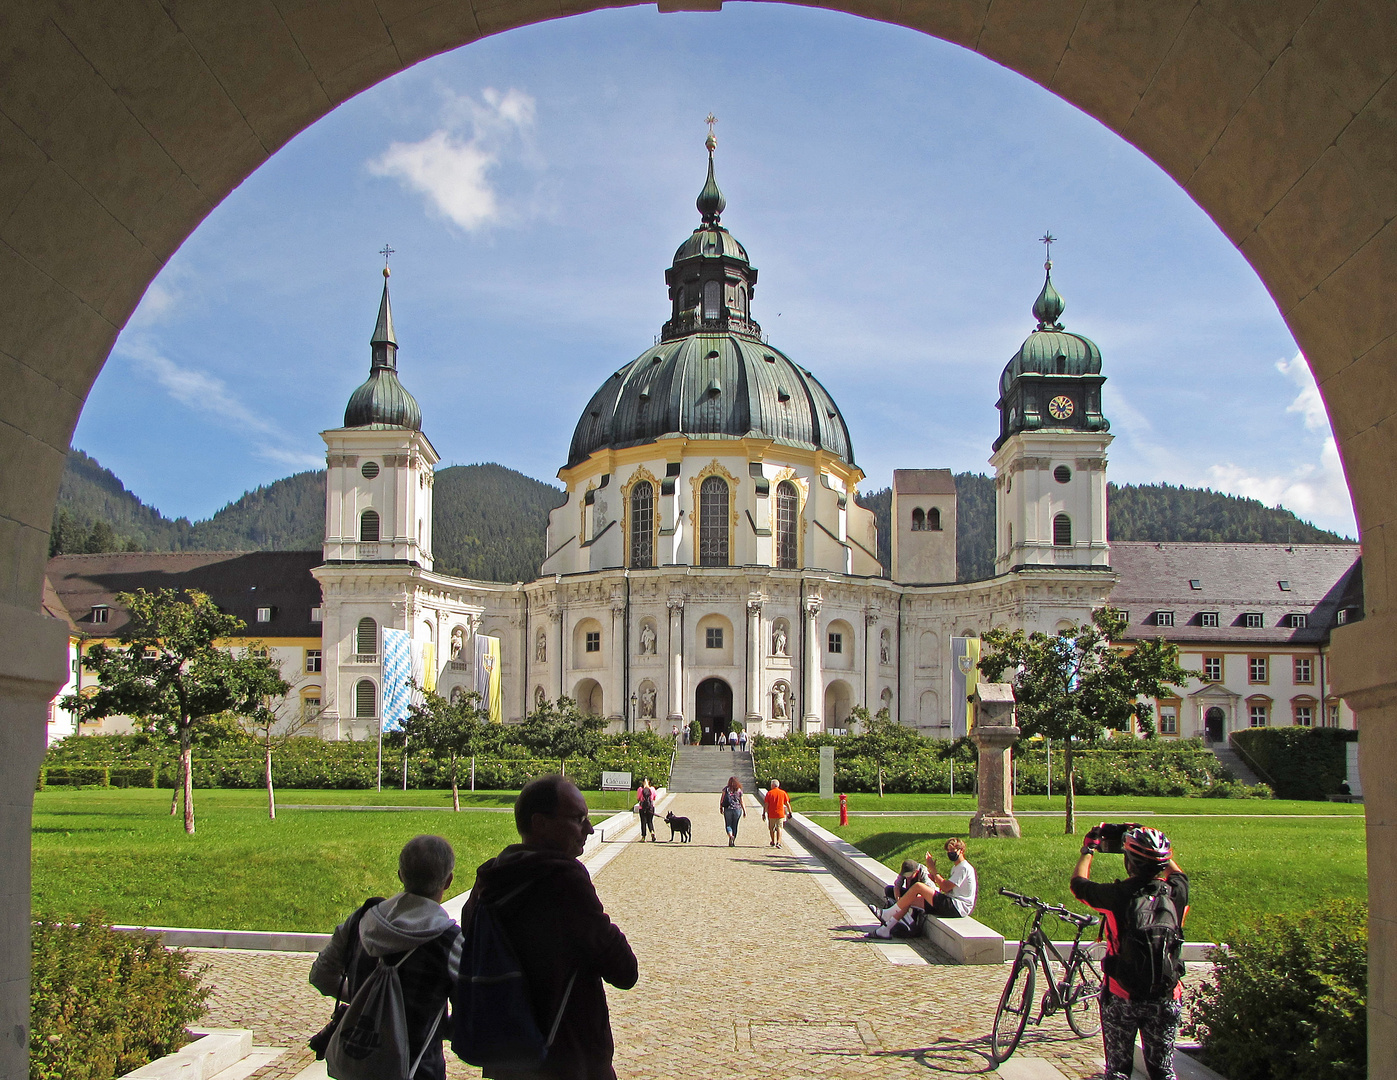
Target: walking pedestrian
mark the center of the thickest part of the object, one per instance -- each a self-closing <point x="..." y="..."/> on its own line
<point x="645" y="804"/>
<point x="742" y="740"/>
<point x="776" y="810"/>
<point x="730" y="804"/>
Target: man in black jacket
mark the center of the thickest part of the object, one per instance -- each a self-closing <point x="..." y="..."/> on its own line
<point x="558" y="927"/>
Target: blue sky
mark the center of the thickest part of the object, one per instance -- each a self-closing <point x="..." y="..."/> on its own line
<point x="890" y="188"/>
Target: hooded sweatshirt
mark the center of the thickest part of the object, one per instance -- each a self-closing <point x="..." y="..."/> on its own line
<point x="389" y="928"/>
<point x="557" y="926"/>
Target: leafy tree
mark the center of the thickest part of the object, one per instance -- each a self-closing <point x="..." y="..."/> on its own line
<point x="449" y="730"/>
<point x="171" y="674"/>
<point x="880" y="738"/>
<point x="559" y="728"/>
<point x="1073" y="684"/>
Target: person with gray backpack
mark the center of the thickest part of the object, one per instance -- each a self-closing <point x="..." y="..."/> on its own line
<point x="390" y="967"/>
<point x="1142" y="918"/>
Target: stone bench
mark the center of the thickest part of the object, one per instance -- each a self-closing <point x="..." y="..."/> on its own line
<point x="966" y="941"/>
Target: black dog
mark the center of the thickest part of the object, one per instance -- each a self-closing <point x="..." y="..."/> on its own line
<point x="681" y="825"/>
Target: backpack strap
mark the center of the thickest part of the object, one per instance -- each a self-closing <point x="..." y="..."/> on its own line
<point x="557" y="1020"/>
<point x="351" y="952"/>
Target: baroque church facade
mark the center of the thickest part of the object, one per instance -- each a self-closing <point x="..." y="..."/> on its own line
<point x="710" y="560"/>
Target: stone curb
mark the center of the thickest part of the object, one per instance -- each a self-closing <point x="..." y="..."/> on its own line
<point x="215" y="1050"/>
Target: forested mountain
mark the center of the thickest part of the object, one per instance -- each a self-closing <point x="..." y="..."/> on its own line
<point x="490" y="520"/>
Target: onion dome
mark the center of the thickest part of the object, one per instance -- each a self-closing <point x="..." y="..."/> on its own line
<point x="382" y="401"/>
<point x="1054" y="380"/>
<point x="711" y="376"/>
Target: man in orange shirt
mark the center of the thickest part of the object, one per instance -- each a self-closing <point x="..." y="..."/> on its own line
<point x="778" y="808"/>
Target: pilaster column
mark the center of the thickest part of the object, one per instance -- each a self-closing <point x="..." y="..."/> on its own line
<point x="620" y="709"/>
<point x="814" y="677"/>
<point x="676" y="659"/>
<point x="754" y="664"/>
<point x="555" y="614"/>
<point x="870" y="667"/>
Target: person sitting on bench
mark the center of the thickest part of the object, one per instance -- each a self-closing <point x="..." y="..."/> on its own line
<point x="950" y="897"/>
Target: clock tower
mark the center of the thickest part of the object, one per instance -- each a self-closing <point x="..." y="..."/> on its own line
<point x="1050" y="457"/>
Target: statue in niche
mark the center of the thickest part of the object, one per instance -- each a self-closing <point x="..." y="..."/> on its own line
<point x="778" y="702"/>
<point x="458" y="641"/>
<point x="647" y="639"/>
<point x="647" y="703"/>
<point x="457" y="693"/>
<point x="540" y="700"/>
<point x="541" y="649"/>
<point x="885" y="649"/>
<point x="778" y="640"/>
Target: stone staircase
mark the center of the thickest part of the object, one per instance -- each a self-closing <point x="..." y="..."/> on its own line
<point x="1233" y="762"/>
<point x="706" y="768"/>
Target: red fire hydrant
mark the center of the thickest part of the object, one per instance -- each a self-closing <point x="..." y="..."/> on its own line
<point x="843" y="809"/>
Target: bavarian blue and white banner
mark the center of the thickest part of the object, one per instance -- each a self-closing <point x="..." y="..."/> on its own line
<point x="965" y="677"/>
<point x="397" y="670"/>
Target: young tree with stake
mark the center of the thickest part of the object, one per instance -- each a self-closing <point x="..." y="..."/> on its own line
<point x="171" y="674"/>
<point x="1074" y="684"/>
<point x="272" y="731"/>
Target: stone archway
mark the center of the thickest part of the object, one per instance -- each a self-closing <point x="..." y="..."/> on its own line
<point x="126" y="121"/>
<point x="713" y="709"/>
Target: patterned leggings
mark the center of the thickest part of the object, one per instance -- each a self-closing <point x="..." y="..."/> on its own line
<point x="1157" y="1023"/>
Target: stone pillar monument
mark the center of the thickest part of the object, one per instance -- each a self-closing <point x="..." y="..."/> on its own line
<point x="994" y="733"/>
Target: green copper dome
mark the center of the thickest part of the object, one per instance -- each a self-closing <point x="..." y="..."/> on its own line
<point x="1051" y="350"/>
<point x="383" y="401"/>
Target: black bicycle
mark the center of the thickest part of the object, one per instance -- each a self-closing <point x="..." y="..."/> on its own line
<point x="1074" y="981"/>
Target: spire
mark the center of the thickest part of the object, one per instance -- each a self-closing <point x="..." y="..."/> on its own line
<point x="382" y="400"/>
<point x="385" y="345"/>
<point x="711" y="203"/>
<point x="1048" y="308"/>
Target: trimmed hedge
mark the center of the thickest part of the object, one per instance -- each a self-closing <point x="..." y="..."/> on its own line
<point x="1304" y="763"/>
<point x="136" y="761"/>
<point x="1175" y="768"/>
<point x="1288" y="999"/>
<point x="103" y="1003"/>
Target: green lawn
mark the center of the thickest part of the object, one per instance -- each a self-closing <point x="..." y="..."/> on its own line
<point x="1238" y="868"/>
<point x="1090" y="808"/>
<point x="119" y="850"/>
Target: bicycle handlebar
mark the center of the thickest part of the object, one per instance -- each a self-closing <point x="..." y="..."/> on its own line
<point x="1023" y="901"/>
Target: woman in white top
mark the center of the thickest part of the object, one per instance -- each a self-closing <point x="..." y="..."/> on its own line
<point x="948" y="897"/>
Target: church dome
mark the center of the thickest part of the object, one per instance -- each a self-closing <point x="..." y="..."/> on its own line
<point x="382" y="401"/>
<point x="711" y="376"/>
<point x="1051" y="350"/>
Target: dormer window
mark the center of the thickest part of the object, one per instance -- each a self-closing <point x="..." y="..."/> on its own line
<point x="100" y="613"/>
<point x="1164" y="618"/>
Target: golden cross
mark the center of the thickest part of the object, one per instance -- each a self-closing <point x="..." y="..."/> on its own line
<point x="710" y="122"/>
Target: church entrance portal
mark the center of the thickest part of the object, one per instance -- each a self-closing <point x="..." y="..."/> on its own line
<point x="713" y="707"/>
<point x="1215" y="725"/>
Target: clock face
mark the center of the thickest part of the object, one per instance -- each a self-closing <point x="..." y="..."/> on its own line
<point x="1060" y="407"/>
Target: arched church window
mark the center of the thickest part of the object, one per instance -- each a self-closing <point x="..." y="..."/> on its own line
<point x="366" y="640"/>
<point x="365" y="699"/>
<point x="918" y="520"/>
<point x="368" y="527"/>
<point x="787" y="504"/>
<point x="933" y="519"/>
<point x="1062" y="531"/>
<point x="712" y="299"/>
<point x="643" y="524"/>
<point x="713" y="522"/>
<point x="742" y="299"/>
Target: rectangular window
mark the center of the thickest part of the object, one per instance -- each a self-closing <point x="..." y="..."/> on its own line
<point x="1256" y="669"/>
<point x="713" y="637"/>
<point x="1340" y="618"/>
<point x="264" y="614"/>
<point x="312" y="660"/>
<point x="1332" y="716"/>
<point x="1169" y="720"/>
<point x="1297" y="621"/>
<point x="1208" y="618"/>
<point x="316" y="615"/>
<point x="1304" y="670"/>
<point x="1258" y="716"/>
<point x="836" y="643"/>
<point x="99" y="613"/>
<point x="1252" y="620"/>
<point x="1304" y="716"/>
<point x="1284" y="586"/>
<point x="1212" y="669"/>
<point x="1164" y="618"/>
<point x="594" y="641"/>
<point x="1195" y="583"/>
<point x="310" y="706"/>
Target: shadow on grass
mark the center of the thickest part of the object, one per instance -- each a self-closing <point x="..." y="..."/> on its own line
<point x="881" y="845"/>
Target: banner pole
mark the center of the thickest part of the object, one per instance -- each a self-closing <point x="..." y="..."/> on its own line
<point x="380" y="754"/>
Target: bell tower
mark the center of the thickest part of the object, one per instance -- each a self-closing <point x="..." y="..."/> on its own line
<point x="379" y="466"/>
<point x="1050" y="458"/>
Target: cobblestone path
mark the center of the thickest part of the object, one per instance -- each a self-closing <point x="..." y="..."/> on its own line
<point x="747" y="970"/>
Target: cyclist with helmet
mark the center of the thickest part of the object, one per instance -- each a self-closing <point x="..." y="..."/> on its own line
<point x="1143" y="918"/>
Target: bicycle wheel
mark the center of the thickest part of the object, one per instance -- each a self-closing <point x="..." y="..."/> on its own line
<point x="1084" y="995"/>
<point x="1014" y="1006"/>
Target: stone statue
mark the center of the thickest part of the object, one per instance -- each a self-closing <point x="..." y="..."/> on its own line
<point x="458" y="642"/>
<point x="647" y="639"/>
<point x="778" y="702"/>
<point x="885" y="649"/>
<point x="647" y="703"/>
<point x="778" y="641"/>
<point x="541" y="649"/>
<point x="539" y="699"/>
<point x="457" y="693"/>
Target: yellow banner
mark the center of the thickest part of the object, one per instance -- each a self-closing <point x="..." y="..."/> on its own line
<point x="487" y="676"/>
<point x="429" y="666"/>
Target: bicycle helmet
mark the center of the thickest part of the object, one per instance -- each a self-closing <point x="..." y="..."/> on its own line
<point x="1148" y="847"/>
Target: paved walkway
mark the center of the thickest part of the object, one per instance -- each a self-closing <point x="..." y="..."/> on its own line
<point x="751" y="966"/>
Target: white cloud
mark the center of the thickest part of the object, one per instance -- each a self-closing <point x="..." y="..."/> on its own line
<point x="1307" y="403"/>
<point x="451" y="168"/>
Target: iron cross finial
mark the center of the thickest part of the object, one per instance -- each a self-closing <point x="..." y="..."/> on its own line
<point x="387" y="252"/>
<point x="710" y="121"/>
<point x="1047" y="240"/>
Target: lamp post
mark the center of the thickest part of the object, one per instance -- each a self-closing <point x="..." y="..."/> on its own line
<point x="634" y="698"/>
